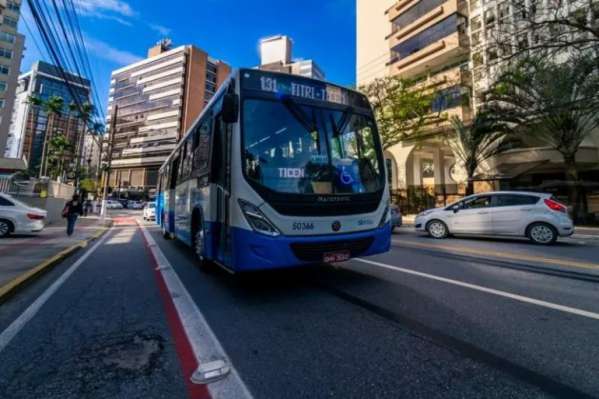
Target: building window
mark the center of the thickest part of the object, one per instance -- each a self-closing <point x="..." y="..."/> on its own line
<point x="475" y="23"/>
<point x="10" y="21"/>
<point x="475" y="38"/>
<point x="489" y="17"/>
<point x="427" y="37"/>
<point x="2" y="87"/>
<point x="6" y="53"/>
<point x="12" y="5"/>
<point x="450" y="98"/>
<point x="413" y="13"/>
<point x="4" y="70"/>
<point x="477" y="59"/>
<point x="7" y="37"/>
<point x="2" y="103"/>
<point x="492" y="54"/>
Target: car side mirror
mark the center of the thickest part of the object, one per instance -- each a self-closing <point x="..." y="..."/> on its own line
<point x="230" y="108"/>
<point x="455" y="208"/>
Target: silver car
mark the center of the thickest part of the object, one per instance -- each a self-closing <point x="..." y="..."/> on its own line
<point x="506" y="213"/>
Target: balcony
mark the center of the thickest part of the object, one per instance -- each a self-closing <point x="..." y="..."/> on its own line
<point x="445" y="51"/>
<point x="455" y="76"/>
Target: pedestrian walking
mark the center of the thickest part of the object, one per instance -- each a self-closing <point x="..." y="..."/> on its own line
<point x="71" y="211"/>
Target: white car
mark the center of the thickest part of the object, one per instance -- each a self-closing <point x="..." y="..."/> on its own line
<point x="150" y="211"/>
<point x="111" y="204"/>
<point x="135" y="205"/>
<point x="17" y="217"/>
<point x="505" y="213"/>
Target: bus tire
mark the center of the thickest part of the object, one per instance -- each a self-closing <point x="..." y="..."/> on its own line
<point x="199" y="242"/>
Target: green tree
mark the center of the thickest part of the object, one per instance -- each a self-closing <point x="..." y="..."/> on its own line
<point x="52" y="107"/>
<point x="83" y="113"/>
<point x="60" y="149"/>
<point x="399" y="107"/>
<point x="477" y="142"/>
<point x="557" y="103"/>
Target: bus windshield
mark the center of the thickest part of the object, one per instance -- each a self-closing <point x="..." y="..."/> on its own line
<point x="301" y="149"/>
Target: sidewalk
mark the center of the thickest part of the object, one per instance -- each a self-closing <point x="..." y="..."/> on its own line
<point x="24" y="256"/>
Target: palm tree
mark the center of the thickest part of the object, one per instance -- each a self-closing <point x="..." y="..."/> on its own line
<point x="53" y="107"/>
<point x="478" y="142"/>
<point x="60" y="148"/>
<point x="84" y="113"/>
<point x="557" y="103"/>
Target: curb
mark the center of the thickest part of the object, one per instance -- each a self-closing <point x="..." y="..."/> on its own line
<point x="13" y="286"/>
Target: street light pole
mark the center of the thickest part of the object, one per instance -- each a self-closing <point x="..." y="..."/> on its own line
<point x="112" y="132"/>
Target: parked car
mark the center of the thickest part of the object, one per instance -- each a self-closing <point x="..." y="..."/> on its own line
<point x="537" y="216"/>
<point x="396" y="218"/>
<point x="150" y="211"/>
<point x="124" y="202"/>
<point x="136" y="205"/>
<point x="112" y="204"/>
<point x="20" y="218"/>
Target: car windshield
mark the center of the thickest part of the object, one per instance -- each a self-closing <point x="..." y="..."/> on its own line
<point x="302" y="149"/>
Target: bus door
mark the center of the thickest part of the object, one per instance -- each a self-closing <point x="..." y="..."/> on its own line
<point x="220" y="172"/>
<point x="169" y="197"/>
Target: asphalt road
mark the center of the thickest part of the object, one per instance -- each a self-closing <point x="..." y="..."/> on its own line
<point x="431" y="319"/>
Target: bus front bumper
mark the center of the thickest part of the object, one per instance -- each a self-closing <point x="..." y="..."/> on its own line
<point x="254" y="251"/>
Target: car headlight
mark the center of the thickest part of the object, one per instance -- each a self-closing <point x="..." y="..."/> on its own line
<point x="425" y="213"/>
<point x="257" y="219"/>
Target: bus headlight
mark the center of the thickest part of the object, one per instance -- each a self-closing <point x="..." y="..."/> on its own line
<point x="257" y="220"/>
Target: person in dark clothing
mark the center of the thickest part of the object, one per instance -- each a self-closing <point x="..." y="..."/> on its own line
<point x="71" y="211"/>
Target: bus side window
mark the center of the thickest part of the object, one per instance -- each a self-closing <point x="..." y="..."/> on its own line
<point x="201" y="154"/>
<point x="174" y="171"/>
<point x="218" y="168"/>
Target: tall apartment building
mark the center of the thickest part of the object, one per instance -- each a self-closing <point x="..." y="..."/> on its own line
<point x="276" y="55"/>
<point x="428" y="42"/>
<point x="498" y="29"/>
<point x="158" y="99"/>
<point x="449" y="46"/>
<point x="11" y="52"/>
<point x="28" y="123"/>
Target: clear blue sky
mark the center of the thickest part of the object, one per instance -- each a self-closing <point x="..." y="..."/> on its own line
<point x="119" y="32"/>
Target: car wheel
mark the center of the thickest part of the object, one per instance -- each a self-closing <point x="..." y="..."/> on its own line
<point x="437" y="229"/>
<point x="542" y="233"/>
<point x="5" y="227"/>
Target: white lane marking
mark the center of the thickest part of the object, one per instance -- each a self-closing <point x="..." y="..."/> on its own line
<point x="204" y="343"/>
<point x="550" y="305"/>
<point x="17" y="325"/>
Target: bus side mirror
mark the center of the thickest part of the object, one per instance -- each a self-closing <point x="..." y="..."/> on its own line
<point x="230" y="109"/>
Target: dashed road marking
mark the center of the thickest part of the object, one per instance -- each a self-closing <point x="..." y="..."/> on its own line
<point x="520" y="298"/>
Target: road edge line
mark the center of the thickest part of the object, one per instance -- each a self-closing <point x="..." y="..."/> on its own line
<point x="504" y="294"/>
<point x="194" y="324"/>
<point x="13" y="286"/>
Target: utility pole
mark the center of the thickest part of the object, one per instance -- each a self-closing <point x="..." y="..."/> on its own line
<point x="112" y="132"/>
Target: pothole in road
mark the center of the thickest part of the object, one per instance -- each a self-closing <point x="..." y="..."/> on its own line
<point x="137" y="353"/>
<point x="133" y="355"/>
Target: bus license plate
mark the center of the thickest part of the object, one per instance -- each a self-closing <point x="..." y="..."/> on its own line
<point x="332" y="257"/>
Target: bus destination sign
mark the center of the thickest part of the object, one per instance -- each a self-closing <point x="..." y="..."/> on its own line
<point x="301" y="88"/>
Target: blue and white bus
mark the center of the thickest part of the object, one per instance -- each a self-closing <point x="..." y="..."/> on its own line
<point x="278" y="171"/>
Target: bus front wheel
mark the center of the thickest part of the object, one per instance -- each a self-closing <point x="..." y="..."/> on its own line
<point x="199" y="245"/>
